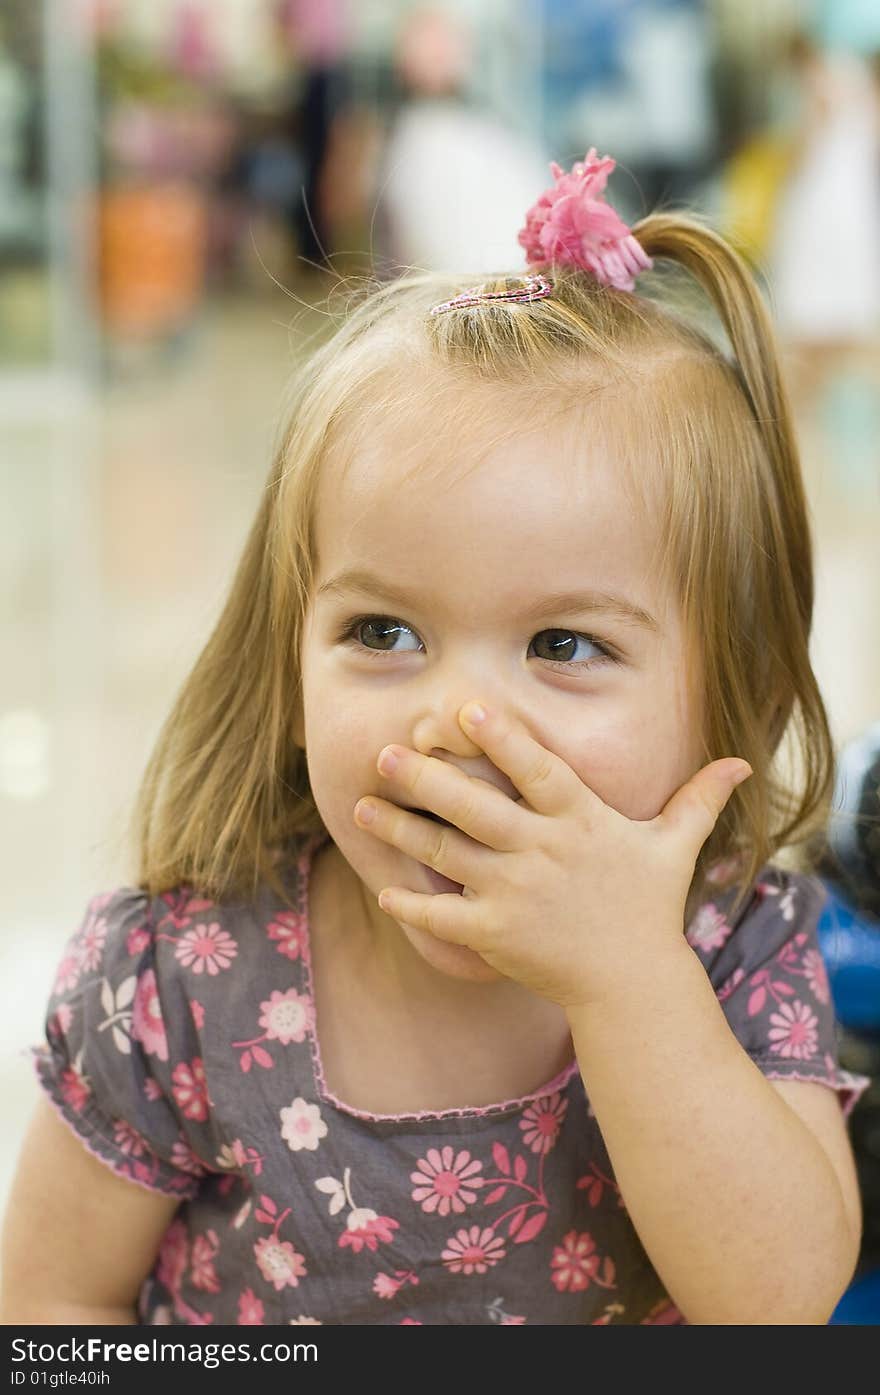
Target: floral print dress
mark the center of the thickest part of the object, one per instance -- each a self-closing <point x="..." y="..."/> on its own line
<point x="182" y="1047"/>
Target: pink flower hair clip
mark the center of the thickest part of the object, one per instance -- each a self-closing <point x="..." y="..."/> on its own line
<point x="571" y="224"/>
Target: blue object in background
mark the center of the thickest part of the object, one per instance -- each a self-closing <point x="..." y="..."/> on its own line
<point x="852" y="24"/>
<point x="860" y="1305"/>
<point x="850" y="945"/>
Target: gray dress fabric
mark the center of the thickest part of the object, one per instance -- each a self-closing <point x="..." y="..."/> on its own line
<point x="182" y="1048"/>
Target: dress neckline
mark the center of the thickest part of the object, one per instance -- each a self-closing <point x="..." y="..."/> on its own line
<point x="304" y="863"/>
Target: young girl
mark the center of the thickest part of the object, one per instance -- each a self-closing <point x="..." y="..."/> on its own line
<point x="456" y="985"/>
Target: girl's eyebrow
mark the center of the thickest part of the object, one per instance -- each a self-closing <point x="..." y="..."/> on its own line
<point x="364" y="583"/>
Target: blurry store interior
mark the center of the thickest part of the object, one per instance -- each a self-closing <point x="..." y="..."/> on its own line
<point x="187" y="190"/>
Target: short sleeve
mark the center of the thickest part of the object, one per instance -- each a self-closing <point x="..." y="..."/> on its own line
<point x="122" y="1062"/>
<point x="770" y="978"/>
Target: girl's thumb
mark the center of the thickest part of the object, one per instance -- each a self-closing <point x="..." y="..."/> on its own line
<point x="694" y="809"/>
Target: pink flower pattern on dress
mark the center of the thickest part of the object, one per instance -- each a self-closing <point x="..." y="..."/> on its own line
<point x="206" y="947"/>
<point x="138" y="939"/>
<point x="709" y="929"/>
<point x="251" y="1311"/>
<point x="147" y="1023"/>
<point x="90" y="946"/>
<point x="204" y="1252"/>
<point x="446" y="1181"/>
<point x="793" y="1031"/>
<point x="236" y="1155"/>
<point x="542" y="1121"/>
<point x="525" y="1192"/>
<point x="765" y="984"/>
<point x="288" y="930"/>
<point x="721" y="873"/>
<point x="129" y="1140"/>
<point x="173" y="1256"/>
<point x="473" y="1250"/>
<point x="816" y="975"/>
<point x="386" y="1286"/>
<point x="279" y="1262"/>
<point x="364" y="1227"/>
<point x="595" y="1183"/>
<point x="182" y="905"/>
<point x="285" y="1017"/>
<point x="63" y="1019"/>
<point x="185" y="1160"/>
<point x="67" y="973"/>
<point x="526" y="1205"/>
<point x="575" y="1264"/>
<point x="302" y="1125"/>
<point x="75" y="1089"/>
<point x="191" y="1089"/>
<point x="730" y="984"/>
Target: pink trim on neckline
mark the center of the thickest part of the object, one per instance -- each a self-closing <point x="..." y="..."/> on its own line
<point x="304" y="867"/>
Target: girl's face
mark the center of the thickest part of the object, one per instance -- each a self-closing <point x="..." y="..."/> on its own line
<point x="461" y="580"/>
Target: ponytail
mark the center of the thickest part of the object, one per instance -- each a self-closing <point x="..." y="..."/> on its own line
<point x="734" y="293"/>
<point x="777" y="584"/>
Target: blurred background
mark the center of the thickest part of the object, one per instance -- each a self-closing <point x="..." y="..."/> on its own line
<point x="182" y="185"/>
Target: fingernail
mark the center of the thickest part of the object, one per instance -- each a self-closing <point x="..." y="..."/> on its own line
<point x="474" y="714"/>
<point x="365" y="813"/>
<point x="742" y="774"/>
<point x="388" y="762"/>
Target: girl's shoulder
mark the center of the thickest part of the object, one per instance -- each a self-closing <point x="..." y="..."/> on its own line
<point x="183" y="935"/>
<point x="776" y="923"/>
<point x="771" y="979"/>
<point x="185" y="912"/>
<point x="152" y="997"/>
<point x="780" y="902"/>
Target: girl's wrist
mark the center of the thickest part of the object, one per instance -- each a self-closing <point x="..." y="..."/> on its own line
<point x="639" y="983"/>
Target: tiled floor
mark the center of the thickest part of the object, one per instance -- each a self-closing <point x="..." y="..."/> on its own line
<point x="117" y="524"/>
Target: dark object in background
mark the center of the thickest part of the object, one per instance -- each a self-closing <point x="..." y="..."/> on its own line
<point x="325" y="92"/>
<point x="854" y="830"/>
<point x="849" y="936"/>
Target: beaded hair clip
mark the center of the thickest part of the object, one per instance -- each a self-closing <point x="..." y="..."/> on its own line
<point x="521" y="288"/>
<point x="570" y="225"/>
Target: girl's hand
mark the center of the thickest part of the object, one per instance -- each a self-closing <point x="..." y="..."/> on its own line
<point x="561" y="892"/>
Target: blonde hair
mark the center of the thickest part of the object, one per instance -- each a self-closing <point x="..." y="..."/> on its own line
<point x="226" y="787"/>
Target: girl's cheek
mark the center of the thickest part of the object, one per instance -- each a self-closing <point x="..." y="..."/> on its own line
<point x="627" y="774"/>
<point x="341" y="741"/>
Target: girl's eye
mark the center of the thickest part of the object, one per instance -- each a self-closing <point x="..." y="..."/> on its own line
<point x="562" y="645"/>
<point x="376" y="635"/>
<point x="384" y="629"/>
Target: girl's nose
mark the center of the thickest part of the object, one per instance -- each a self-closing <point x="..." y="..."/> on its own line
<point x="440" y="730"/>
<point x="438" y="733"/>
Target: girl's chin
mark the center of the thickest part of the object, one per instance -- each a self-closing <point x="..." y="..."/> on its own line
<point x="456" y="961"/>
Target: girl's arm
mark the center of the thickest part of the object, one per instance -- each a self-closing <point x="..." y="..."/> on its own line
<point x="744" y="1196"/>
<point x="78" y="1241"/>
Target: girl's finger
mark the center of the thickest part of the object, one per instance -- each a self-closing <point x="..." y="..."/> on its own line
<point x="694" y="809"/>
<point x="445" y="849"/>
<point x="445" y="915"/>
<point x="547" y="784"/>
<point x="472" y="805"/>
